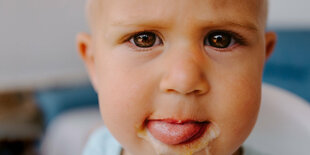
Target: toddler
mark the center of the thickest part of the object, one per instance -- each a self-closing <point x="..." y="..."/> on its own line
<point x="175" y="77"/>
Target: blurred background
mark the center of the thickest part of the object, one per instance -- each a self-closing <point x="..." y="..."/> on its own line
<point x="42" y="77"/>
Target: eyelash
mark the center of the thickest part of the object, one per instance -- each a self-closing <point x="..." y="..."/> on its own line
<point x="238" y="40"/>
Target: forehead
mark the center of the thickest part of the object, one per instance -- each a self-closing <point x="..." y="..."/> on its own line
<point x="249" y="12"/>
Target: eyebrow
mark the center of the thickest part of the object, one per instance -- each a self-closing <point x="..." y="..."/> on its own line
<point x="151" y="23"/>
<point x="203" y="23"/>
<point x="245" y="25"/>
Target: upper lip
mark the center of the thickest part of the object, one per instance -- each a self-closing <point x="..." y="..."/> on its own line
<point x="177" y="121"/>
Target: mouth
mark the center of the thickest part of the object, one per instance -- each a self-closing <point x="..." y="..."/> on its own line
<point x="176" y="132"/>
<point x="179" y="137"/>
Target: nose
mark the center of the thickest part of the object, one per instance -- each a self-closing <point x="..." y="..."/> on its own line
<point x="184" y="75"/>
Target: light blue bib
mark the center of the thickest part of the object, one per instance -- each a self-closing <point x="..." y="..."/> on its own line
<point x="101" y="142"/>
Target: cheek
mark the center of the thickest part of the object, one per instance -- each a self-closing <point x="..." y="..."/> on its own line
<point x="236" y="92"/>
<point x="239" y="116"/>
<point x="241" y="106"/>
<point x="125" y="97"/>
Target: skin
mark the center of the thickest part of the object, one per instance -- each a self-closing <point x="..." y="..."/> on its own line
<point x="181" y="78"/>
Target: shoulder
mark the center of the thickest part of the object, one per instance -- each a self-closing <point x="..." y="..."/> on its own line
<point x="101" y="142"/>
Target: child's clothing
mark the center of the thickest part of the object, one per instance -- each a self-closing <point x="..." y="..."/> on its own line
<point x="101" y="142"/>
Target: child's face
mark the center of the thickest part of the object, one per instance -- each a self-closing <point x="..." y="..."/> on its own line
<point x="178" y="76"/>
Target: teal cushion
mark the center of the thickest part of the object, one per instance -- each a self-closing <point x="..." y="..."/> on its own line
<point x="54" y="101"/>
<point x="289" y="65"/>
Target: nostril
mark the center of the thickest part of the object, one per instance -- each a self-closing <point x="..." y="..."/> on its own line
<point x="194" y="92"/>
<point x="170" y="90"/>
<point x="197" y="92"/>
<point x="184" y="83"/>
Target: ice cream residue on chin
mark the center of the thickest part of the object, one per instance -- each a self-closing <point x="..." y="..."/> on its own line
<point x="200" y="144"/>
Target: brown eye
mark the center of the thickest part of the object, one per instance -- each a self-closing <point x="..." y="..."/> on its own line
<point x="219" y="40"/>
<point x="145" y="39"/>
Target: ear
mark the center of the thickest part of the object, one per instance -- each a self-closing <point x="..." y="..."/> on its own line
<point x="271" y="39"/>
<point x="85" y="49"/>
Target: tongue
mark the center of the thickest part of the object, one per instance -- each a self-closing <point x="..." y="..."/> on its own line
<point x="174" y="133"/>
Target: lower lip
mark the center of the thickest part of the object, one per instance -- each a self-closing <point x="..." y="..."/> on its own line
<point x="176" y="132"/>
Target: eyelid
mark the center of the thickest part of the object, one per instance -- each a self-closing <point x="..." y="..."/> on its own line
<point x="127" y="37"/>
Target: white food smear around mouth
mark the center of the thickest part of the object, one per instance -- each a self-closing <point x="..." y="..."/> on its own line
<point x="200" y="144"/>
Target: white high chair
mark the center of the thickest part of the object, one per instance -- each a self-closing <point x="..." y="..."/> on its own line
<point x="283" y="127"/>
